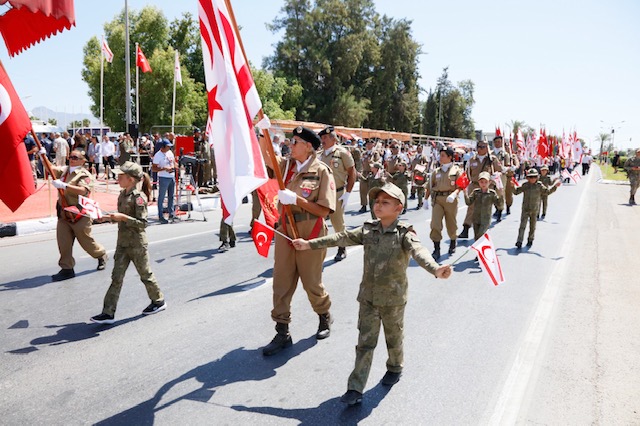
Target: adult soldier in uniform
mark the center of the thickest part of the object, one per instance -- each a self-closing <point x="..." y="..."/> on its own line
<point x="341" y="162"/>
<point x="442" y="185"/>
<point x="311" y="195"/>
<point x="369" y="156"/>
<point x="632" y="166"/>
<point x="420" y="159"/>
<point x="481" y="161"/>
<point x="505" y="165"/>
<point x="394" y="159"/>
<point x="74" y="180"/>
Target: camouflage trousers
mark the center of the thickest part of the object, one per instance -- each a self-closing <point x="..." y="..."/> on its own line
<point x="121" y="259"/>
<point x="530" y="216"/>
<point x="544" y="199"/>
<point x="479" y="229"/>
<point x="369" y="319"/>
<point x="635" y="183"/>
<point x="420" y="191"/>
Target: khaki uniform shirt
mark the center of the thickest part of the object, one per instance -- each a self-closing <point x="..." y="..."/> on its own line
<point x="368" y="158"/>
<point x="475" y="166"/>
<point x="390" y="164"/>
<point x="386" y="257"/>
<point x="132" y="233"/>
<point x="356" y="153"/>
<point x="340" y="161"/>
<point x="80" y="177"/>
<point x="442" y="181"/>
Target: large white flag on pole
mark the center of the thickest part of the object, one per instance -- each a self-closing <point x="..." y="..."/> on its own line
<point x="233" y="103"/>
<point x="176" y="70"/>
<point x="108" y="54"/>
<point x="489" y="259"/>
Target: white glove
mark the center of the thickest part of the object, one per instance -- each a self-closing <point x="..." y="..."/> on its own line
<point x="42" y="151"/>
<point x="452" y="197"/>
<point x="287" y="196"/>
<point x="59" y="184"/>
<point x="344" y="198"/>
<point x="263" y="124"/>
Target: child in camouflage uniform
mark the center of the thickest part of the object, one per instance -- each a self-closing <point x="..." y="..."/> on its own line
<point x="401" y="179"/>
<point x="388" y="246"/>
<point x="132" y="243"/>
<point x="482" y="198"/>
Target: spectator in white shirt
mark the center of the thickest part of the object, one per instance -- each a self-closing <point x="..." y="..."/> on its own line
<point x="164" y="164"/>
<point x="108" y="150"/>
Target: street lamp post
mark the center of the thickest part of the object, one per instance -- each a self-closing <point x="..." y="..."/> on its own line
<point x="613" y="128"/>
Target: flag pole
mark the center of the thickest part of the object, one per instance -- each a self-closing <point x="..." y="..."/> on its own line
<point x="267" y="136"/>
<point x="173" y="109"/>
<point x="274" y="230"/>
<point x="101" y="87"/>
<point x="137" y="90"/>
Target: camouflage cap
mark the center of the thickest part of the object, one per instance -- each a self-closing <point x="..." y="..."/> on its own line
<point x="532" y="173"/>
<point x="130" y="168"/>
<point x="376" y="165"/>
<point x="545" y="167"/>
<point x="484" y="175"/>
<point x="390" y="189"/>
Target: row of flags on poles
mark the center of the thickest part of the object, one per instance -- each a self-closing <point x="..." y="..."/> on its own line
<point x="539" y="145"/>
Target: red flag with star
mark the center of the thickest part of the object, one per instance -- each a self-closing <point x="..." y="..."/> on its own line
<point x="141" y="61"/>
<point x="15" y="169"/>
<point x="262" y="236"/>
<point x="233" y="103"/>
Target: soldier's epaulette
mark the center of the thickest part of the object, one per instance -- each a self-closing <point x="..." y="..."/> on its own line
<point x="371" y="222"/>
<point x="404" y="226"/>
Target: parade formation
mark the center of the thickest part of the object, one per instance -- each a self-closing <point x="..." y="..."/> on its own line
<point x="301" y="182"/>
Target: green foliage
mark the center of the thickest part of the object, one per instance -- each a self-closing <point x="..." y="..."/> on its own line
<point x="447" y="111"/>
<point x="356" y="67"/>
<point x="151" y="30"/>
<point x="53" y="121"/>
<point x="278" y="97"/>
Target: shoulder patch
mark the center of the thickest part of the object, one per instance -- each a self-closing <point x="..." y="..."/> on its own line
<point x="139" y="201"/>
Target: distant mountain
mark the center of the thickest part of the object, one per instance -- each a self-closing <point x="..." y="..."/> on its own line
<point x="44" y="114"/>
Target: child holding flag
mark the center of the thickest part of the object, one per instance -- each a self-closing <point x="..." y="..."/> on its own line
<point x="482" y="199"/>
<point x="132" y="243"/>
<point x="388" y="245"/>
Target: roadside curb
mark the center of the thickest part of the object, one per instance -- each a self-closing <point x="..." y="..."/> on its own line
<point x="37" y="226"/>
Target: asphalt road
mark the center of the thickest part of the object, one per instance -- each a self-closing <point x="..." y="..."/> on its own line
<point x="552" y="345"/>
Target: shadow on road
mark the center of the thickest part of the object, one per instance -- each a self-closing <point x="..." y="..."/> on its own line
<point x="69" y="333"/>
<point x="239" y="365"/>
<point x="39" y="281"/>
<point x="330" y="412"/>
<point x="245" y="285"/>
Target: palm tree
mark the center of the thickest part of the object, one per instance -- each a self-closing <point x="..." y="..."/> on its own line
<point x="602" y="137"/>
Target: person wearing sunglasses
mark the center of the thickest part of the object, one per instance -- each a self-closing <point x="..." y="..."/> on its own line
<point x="311" y="196"/>
<point x="73" y="181"/>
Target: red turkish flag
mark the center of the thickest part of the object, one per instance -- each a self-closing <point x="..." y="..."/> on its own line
<point x="262" y="236"/>
<point x="15" y="169"/>
<point x="462" y="181"/>
<point x="268" y="195"/>
<point x="141" y="61"/>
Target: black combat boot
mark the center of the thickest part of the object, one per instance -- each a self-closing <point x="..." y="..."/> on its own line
<point x="465" y="232"/>
<point x="324" y="328"/>
<point x="436" y="250"/>
<point x="518" y="245"/>
<point x="632" y="200"/>
<point x="508" y="210"/>
<point x="498" y="215"/>
<point x="64" y="274"/>
<point x="342" y="253"/>
<point x="529" y="243"/>
<point x="281" y="341"/>
<point x="452" y="247"/>
<point x="363" y="209"/>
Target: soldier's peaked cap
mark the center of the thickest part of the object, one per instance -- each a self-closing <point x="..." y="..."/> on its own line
<point x="484" y="175"/>
<point x="390" y="189"/>
<point x="307" y="135"/>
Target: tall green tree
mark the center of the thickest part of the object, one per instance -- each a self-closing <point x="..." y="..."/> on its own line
<point x="448" y="109"/>
<point x="150" y="29"/>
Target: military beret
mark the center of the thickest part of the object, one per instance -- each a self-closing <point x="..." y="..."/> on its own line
<point x="390" y="189"/>
<point x="326" y="131"/>
<point x="532" y="173"/>
<point x="130" y="168"/>
<point x="307" y="135"/>
<point x="484" y="175"/>
<point x="448" y="151"/>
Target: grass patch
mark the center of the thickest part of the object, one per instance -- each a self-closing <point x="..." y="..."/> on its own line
<point x="608" y="174"/>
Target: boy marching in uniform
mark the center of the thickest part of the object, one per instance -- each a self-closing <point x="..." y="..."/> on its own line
<point x="388" y="246"/>
<point x="482" y="198"/>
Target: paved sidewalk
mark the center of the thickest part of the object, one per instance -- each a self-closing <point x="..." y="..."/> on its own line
<point x="38" y="212"/>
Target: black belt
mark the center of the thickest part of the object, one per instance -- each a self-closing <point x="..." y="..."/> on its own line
<point x="301" y="217"/>
<point x="437" y="193"/>
<point x="340" y="189"/>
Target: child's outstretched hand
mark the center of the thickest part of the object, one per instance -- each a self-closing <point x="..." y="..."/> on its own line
<point x="444" y="271"/>
<point x="301" y="244"/>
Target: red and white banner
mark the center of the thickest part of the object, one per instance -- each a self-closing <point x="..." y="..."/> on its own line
<point x="233" y="103"/>
<point x="15" y="169"/>
<point x="106" y="51"/>
<point x="489" y="259"/>
<point x="90" y="207"/>
<point x="262" y="236"/>
<point x="177" y="74"/>
<point x="141" y="61"/>
<point x="575" y="176"/>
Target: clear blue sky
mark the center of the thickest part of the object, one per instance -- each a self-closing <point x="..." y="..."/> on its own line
<point x="564" y="64"/>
